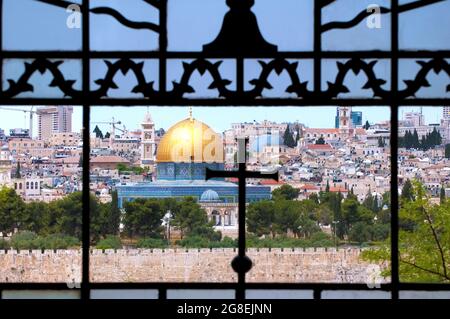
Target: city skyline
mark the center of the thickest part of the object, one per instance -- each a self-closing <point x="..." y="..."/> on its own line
<point x="220" y="118"/>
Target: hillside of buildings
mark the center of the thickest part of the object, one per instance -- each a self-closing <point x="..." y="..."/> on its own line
<point x="333" y="189"/>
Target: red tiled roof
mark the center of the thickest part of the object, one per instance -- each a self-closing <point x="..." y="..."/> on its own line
<point x="309" y="187"/>
<point x="71" y="160"/>
<point x="322" y="130"/>
<point x="270" y="182"/>
<point x="319" y="147"/>
<point x="338" y="189"/>
<point x="361" y="131"/>
<point x="108" y="159"/>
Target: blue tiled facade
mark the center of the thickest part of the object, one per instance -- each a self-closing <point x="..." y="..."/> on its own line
<point x="228" y="192"/>
<point x="184" y="171"/>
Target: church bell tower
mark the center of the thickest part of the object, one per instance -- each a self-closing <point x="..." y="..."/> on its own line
<point x="345" y="121"/>
<point x="148" y="145"/>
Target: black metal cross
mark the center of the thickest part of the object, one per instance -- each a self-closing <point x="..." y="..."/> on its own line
<point x="241" y="263"/>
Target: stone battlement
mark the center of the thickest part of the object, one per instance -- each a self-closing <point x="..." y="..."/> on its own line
<point x="187" y="265"/>
<point x="147" y="251"/>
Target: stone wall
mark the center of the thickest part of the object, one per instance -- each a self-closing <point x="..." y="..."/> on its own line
<point x="193" y="265"/>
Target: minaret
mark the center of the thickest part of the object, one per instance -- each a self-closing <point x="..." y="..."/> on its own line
<point x="148" y="145"/>
<point x="345" y="121"/>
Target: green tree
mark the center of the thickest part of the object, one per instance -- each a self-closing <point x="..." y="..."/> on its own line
<point x="350" y="214"/>
<point x="335" y="204"/>
<point x="17" y="174"/>
<point x="305" y="226"/>
<point x="407" y="191"/>
<point x="324" y="215"/>
<point x="380" y="232"/>
<point x="98" y="132"/>
<point x="366" y="125"/>
<point x="114" y="216"/>
<point x="107" y="135"/>
<point x="143" y="218"/>
<point x="314" y="197"/>
<point x="260" y="218"/>
<point x="447" y="151"/>
<point x="191" y="219"/>
<point x="415" y="140"/>
<point x="320" y="141"/>
<point x="442" y="195"/>
<point x="288" y="138"/>
<point x="110" y="242"/>
<point x="285" y="192"/>
<point x="286" y="215"/>
<point x="369" y="200"/>
<point x="11" y="210"/>
<point x="67" y="214"/>
<point x="424" y="251"/>
<point x="122" y="167"/>
<point x="360" y="233"/>
<point x="37" y="218"/>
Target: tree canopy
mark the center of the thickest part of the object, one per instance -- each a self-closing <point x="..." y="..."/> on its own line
<point x="285" y="192"/>
<point x="424" y="245"/>
<point x="288" y="138"/>
<point x="428" y="141"/>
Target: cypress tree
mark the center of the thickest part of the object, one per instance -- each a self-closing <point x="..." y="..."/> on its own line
<point x="407" y="191"/>
<point x="17" y="174"/>
<point x="415" y="141"/>
<point x="98" y="132"/>
<point x="297" y="137"/>
<point x="442" y="196"/>
<point x="114" y="216"/>
<point x="288" y="139"/>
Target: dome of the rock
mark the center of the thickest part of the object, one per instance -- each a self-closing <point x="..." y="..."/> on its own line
<point x="190" y="141"/>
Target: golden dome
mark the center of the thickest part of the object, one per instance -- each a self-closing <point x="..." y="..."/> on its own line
<point x="190" y="141"/>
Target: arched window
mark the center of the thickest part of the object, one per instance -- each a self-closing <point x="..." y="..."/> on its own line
<point x="216" y="218"/>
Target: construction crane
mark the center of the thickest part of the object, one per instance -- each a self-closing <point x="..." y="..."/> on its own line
<point x="31" y="111"/>
<point x="114" y="127"/>
<point x="113" y="124"/>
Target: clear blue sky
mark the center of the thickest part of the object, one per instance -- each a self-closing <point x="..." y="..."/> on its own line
<point x="286" y="23"/>
<point x="219" y="118"/>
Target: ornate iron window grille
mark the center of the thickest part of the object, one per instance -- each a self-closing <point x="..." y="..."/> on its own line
<point x="239" y="18"/>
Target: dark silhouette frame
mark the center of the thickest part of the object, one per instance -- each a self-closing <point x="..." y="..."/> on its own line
<point x="220" y="48"/>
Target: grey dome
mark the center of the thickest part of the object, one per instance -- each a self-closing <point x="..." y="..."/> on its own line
<point x="209" y="196"/>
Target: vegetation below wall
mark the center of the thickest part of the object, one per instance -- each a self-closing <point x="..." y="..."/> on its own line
<point x="29" y="240"/>
<point x="281" y="222"/>
<point x="424" y="238"/>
